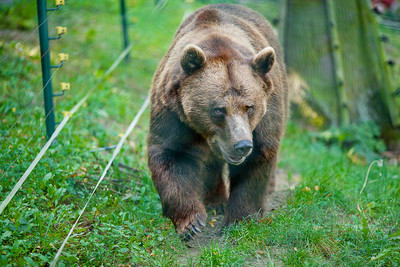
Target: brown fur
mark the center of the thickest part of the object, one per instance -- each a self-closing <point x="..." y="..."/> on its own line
<point x="213" y="89"/>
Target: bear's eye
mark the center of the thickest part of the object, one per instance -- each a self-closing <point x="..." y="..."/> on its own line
<point x="218" y="112"/>
<point x="250" y="110"/>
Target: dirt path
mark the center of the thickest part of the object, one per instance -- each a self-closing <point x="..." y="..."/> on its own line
<point x="211" y="232"/>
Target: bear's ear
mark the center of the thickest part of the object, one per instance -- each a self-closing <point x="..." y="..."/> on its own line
<point x="264" y="60"/>
<point x="193" y="58"/>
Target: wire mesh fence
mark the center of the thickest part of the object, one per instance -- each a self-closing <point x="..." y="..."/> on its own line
<point x="336" y="47"/>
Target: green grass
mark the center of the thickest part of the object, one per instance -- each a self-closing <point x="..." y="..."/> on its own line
<point x="321" y="225"/>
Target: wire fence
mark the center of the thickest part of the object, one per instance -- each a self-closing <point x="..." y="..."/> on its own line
<point x="15" y="11"/>
<point x="30" y="104"/>
<point x="61" y="125"/>
<point x="25" y="111"/>
<point x="29" y="37"/>
<point x="116" y="152"/>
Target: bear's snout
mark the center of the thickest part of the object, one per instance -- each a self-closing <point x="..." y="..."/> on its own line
<point x="235" y="140"/>
<point x="236" y="154"/>
<point x="243" y="147"/>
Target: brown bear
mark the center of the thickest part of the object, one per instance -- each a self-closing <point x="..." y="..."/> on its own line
<point x="219" y="104"/>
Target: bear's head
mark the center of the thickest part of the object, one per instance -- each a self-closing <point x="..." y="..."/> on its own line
<point x="223" y="96"/>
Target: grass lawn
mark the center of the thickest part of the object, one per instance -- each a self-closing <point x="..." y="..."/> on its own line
<point x="326" y="221"/>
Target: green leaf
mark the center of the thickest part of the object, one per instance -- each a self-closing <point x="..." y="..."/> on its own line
<point x="29" y="260"/>
<point x="47" y="177"/>
<point x="5" y="235"/>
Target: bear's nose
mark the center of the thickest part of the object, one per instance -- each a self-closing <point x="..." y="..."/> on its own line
<point x="243" y="147"/>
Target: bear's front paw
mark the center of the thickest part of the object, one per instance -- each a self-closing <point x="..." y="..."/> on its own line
<point x="191" y="225"/>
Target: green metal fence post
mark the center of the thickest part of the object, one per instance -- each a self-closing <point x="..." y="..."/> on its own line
<point x="124" y="27"/>
<point x="387" y="90"/>
<point x="46" y="72"/>
<point x="343" y="112"/>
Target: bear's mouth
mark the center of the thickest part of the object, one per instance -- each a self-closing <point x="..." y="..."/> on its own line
<point x="233" y="160"/>
<point x="230" y="159"/>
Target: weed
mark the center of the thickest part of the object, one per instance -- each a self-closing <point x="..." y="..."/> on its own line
<point x="360" y="141"/>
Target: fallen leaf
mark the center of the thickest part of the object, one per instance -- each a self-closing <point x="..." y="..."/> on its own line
<point x="267" y="220"/>
<point x="306" y="189"/>
<point x="212" y="222"/>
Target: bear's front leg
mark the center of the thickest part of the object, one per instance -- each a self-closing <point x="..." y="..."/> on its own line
<point x="250" y="183"/>
<point x="176" y="176"/>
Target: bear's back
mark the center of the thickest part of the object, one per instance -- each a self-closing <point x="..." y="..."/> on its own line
<point x="230" y="15"/>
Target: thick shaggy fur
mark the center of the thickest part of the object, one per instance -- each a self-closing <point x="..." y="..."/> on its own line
<point x="222" y="81"/>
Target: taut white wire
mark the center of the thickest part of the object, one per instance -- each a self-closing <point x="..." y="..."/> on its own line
<point x="116" y="152"/>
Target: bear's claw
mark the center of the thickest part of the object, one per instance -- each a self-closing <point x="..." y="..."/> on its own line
<point x="196" y="229"/>
<point x="200" y="222"/>
<point x="188" y="236"/>
<point x="192" y="229"/>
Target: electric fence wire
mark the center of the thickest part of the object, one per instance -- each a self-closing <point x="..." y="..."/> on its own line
<point x="9" y="91"/>
<point x="30" y="139"/>
<point x="80" y="51"/>
<point x="63" y="15"/>
<point x="15" y="11"/>
<point x="115" y="153"/>
<point x="58" y="129"/>
<point x="68" y="115"/>
<point x="35" y="99"/>
<point x="39" y="156"/>
<point x="26" y="75"/>
<point x="18" y="45"/>
<point x="84" y="49"/>
<point x="32" y="102"/>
